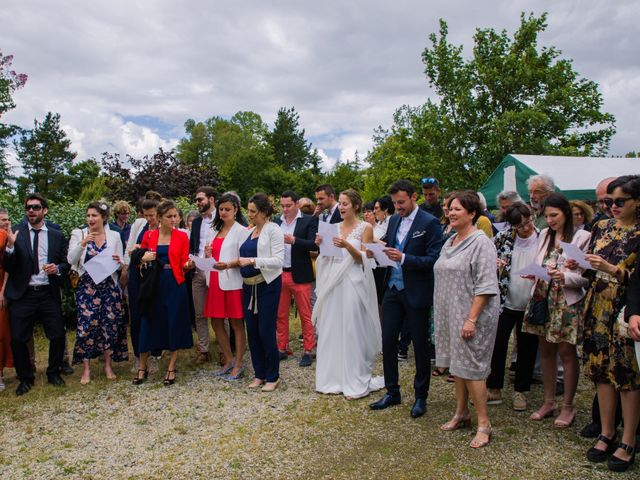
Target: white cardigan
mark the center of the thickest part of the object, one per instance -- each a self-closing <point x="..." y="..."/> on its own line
<point x="270" y="257"/>
<point x="229" y="279"/>
<point x="136" y="228"/>
<point x="77" y="253"/>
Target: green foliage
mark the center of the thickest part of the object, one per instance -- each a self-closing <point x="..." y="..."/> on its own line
<point x="290" y="149"/>
<point x="346" y="175"/>
<point x="512" y="96"/>
<point x="45" y="156"/>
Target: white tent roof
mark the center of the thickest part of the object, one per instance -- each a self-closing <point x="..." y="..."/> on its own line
<point x="579" y="173"/>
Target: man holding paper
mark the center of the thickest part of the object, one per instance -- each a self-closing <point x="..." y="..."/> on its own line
<point x="94" y="253"/>
<point x="36" y="259"/>
<point x="414" y="240"/>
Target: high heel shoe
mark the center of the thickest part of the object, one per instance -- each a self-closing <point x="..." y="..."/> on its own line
<point x="561" y="423"/>
<point x="596" y="455"/>
<point x="475" y="443"/>
<point x="169" y="381"/>
<point x="224" y="371"/>
<point x="458" y="421"/>
<point x="233" y="378"/>
<point x="138" y="380"/>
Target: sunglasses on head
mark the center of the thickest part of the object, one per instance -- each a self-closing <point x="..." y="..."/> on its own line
<point x="429" y="181"/>
<point x="618" y="202"/>
<point x="35" y="208"/>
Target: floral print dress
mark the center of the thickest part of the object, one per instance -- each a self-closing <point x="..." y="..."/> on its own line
<point x="101" y="326"/>
<point x="609" y="357"/>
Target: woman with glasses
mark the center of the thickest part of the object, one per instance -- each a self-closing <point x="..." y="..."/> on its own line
<point x="559" y="324"/>
<point x="517" y="248"/>
<point x="582" y="215"/>
<point x="609" y="353"/>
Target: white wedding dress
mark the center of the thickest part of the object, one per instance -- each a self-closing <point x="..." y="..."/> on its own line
<point x="346" y="318"/>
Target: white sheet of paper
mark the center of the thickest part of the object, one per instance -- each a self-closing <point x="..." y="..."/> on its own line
<point x="379" y="255"/>
<point x="501" y="226"/>
<point x="102" y="265"/>
<point x="327" y="231"/>
<point x="572" y="252"/>
<point x="537" y="271"/>
<point x="204" y="264"/>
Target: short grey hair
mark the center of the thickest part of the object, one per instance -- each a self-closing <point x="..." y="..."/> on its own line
<point x="510" y="195"/>
<point x="4" y="210"/>
<point x="543" y="178"/>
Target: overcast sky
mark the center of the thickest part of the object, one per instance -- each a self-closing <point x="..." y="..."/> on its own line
<point x="125" y="75"/>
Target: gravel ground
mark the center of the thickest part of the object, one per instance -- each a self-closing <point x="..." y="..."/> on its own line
<point x="209" y="428"/>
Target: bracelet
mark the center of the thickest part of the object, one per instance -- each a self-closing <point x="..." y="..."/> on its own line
<point x="471" y="321"/>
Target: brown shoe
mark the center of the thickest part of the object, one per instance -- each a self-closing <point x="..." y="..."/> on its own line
<point x="203" y="357"/>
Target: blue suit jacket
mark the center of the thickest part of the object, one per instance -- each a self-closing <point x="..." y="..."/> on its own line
<point x="421" y="249"/>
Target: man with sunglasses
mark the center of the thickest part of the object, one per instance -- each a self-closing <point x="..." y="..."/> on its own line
<point x="205" y="200"/>
<point x="36" y="259"/>
<point x="431" y="192"/>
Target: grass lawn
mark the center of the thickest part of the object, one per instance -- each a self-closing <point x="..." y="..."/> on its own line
<point x="210" y="428"/>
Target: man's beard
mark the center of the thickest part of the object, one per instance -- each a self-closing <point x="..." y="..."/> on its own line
<point x="202" y="208"/>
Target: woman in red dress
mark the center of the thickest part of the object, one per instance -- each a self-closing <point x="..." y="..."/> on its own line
<point x="6" y="358"/>
<point x="224" y="298"/>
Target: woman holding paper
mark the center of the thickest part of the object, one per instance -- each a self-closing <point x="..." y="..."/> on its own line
<point x="560" y="330"/>
<point x="166" y="325"/>
<point x="101" y="329"/>
<point x="345" y="314"/>
<point x="224" y="297"/>
<point x="609" y="356"/>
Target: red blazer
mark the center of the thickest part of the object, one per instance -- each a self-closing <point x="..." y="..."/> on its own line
<point x="178" y="250"/>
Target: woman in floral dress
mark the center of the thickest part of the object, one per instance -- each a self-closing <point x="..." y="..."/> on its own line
<point x="609" y="356"/>
<point x="101" y="328"/>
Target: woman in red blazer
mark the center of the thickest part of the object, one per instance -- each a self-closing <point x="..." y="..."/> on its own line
<point x="166" y="324"/>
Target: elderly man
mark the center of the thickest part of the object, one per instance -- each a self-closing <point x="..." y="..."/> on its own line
<point x="539" y="187"/>
<point x="604" y="211"/>
<point x="504" y="200"/>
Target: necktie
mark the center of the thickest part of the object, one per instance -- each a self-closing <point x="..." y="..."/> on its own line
<point x="324" y="217"/>
<point x="36" y="266"/>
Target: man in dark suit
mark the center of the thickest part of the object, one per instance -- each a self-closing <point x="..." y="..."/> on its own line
<point x="200" y="228"/>
<point x="297" y="275"/>
<point x="326" y="205"/>
<point x="36" y="259"/>
<point x="414" y="240"/>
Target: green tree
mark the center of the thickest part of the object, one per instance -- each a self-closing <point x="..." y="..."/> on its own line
<point x="511" y="96"/>
<point x="78" y="177"/>
<point x="347" y="174"/>
<point x="10" y="81"/>
<point x="45" y="156"/>
<point x="290" y="149"/>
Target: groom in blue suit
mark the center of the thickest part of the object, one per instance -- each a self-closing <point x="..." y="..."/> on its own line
<point x="414" y="240"/>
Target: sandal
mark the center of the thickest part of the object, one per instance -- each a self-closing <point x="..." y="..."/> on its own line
<point x="169" y="381"/>
<point x="458" y="421"/>
<point x="439" y="372"/>
<point x="560" y="422"/>
<point x="475" y="443"/>
<point x="140" y="380"/>
<point x="451" y="378"/>
<point x="548" y="409"/>
<point x="596" y="455"/>
<point x="616" y="464"/>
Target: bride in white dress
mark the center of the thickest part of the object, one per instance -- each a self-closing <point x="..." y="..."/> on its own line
<point x="346" y="310"/>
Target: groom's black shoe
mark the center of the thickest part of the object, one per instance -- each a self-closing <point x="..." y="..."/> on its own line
<point x="24" y="387"/>
<point x="56" y="380"/>
<point x="419" y="408"/>
<point x="385" y="402"/>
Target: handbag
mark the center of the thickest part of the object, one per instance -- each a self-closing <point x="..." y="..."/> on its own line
<point x="539" y="311"/>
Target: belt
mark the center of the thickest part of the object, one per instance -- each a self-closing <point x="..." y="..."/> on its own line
<point x="38" y="288"/>
<point x="167" y="266"/>
<point x="254" y="282"/>
<point x="286" y="269"/>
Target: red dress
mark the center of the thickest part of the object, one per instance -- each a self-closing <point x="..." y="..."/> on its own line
<point x="221" y="303"/>
<point x="6" y="358"/>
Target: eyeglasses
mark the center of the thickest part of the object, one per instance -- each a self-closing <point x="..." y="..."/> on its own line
<point x="524" y="225"/>
<point x="618" y="202"/>
<point x="35" y="208"/>
<point x="429" y="181"/>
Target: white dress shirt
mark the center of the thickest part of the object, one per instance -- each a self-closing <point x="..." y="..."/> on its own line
<point x="40" y="278"/>
<point x="205" y="232"/>
<point x="404" y="227"/>
<point x="288" y="229"/>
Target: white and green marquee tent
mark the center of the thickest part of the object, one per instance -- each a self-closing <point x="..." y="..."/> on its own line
<point x="575" y="177"/>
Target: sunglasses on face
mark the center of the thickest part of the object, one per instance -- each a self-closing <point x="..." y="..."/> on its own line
<point x="35" y="208"/>
<point x="618" y="202"/>
<point x="200" y="199"/>
<point x="429" y="181"/>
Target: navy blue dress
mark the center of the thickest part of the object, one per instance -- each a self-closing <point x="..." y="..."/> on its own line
<point x="169" y="328"/>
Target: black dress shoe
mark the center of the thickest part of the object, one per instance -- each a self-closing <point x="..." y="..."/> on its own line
<point x="66" y="369"/>
<point x="591" y="430"/>
<point x="596" y="455"/>
<point x="419" y="408"/>
<point x="56" y="380"/>
<point x="23" y="388"/>
<point x="385" y="402"/>
<point x="616" y="464"/>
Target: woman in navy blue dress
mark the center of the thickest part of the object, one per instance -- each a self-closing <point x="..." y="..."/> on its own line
<point x="166" y="324"/>
<point x="101" y="326"/>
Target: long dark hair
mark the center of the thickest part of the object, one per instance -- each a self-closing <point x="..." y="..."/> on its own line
<point x="226" y="198"/>
<point x="559" y="201"/>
